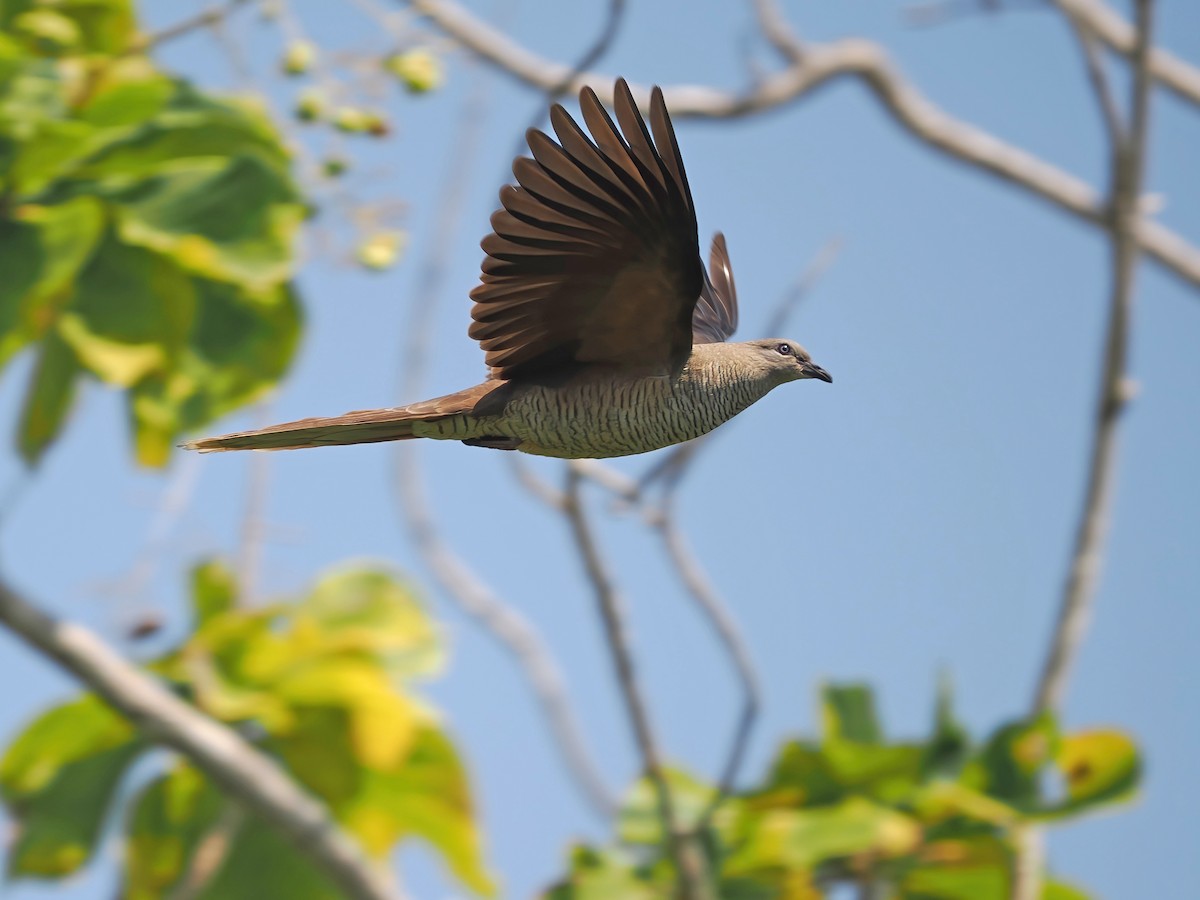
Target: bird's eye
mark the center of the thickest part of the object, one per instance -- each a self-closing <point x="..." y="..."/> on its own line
<point x="784" y="349"/>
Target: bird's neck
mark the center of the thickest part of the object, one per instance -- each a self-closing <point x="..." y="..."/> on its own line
<point x="726" y="366"/>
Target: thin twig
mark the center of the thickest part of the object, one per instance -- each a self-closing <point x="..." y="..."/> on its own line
<point x="701" y="589"/>
<point x="1110" y="114"/>
<point x="235" y="766"/>
<point x="203" y="19"/>
<point x="464" y="587"/>
<point x="819" y="65"/>
<point x="1083" y="578"/>
<point x="1169" y="70"/>
<point x="688" y="867"/>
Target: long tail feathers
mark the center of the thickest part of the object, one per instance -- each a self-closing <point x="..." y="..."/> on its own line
<point x="366" y="427"/>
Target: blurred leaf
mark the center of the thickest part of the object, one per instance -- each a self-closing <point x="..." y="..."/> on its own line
<point x="949" y="745"/>
<point x="605" y="875"/>
<point x="42" y="250"/>
<point x="168" y="819"/>
<point x="961" y="869"/>
<point x="382" y="721"/>
<point x="1100" y="766"/>
<point x="230" y="219"/>
<point x="104" y="26"/>
<point x="240" y="345"/>
<point x="804" y="838"/>
<point x="848" y="713"/>
<point x="131" y="314"/>
<point x="368" y="609"/>
<point x="214" y="590"/>
<point x="426" y="797"/>
<point x="1013" y="758"/>
<point x="58" y="779"/>
<point x="48" y="399"/>
<point x="64" y="735"/>
<point x="261" y="865"/>
<point x="638" y="821"/>
<point x="1059" y="890"/>
<point x="318" y="752"/>
<point x="802" y="776"/>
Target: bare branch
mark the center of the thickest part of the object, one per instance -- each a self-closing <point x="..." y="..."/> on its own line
<point x="688" y="865"/>
<point x="238" y="768"/>
<point x="1109" y="111"/>
<point x="726" y="628"/>
<point x="1169" y="70"/>
<point x="207" y="18"/>
<point x="1083" y="578"/>
<point x="819" y="65"/>
<point x="464" y="587"/>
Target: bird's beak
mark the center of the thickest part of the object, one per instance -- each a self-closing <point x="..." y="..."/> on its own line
<point x="812" y="370"/>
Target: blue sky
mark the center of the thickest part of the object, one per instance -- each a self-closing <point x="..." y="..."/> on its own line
<point x="911" y="519"/>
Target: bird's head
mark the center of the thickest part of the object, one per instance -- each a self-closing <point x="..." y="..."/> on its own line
<point x="786" y="360"/>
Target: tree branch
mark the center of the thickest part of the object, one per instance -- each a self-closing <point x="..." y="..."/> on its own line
<point x="726" y="628"/>
<point x="688" y="866"/>
<point x="1083" y="577"/>
<point x="1079" y="592"/>
<point x="818" y="65"/>
<point x="1164" y="67"/>
<point x="238" y="768"/>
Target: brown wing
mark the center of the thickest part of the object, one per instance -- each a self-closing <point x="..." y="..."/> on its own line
<point x="716" y="315"/>
<point x="594" y="258"/>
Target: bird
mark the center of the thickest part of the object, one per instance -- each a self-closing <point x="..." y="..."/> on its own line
<point x="603" y="333"/>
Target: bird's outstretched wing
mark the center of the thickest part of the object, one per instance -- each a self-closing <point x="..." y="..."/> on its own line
<point x="594" y="259"/>
<point x="716" y="315"/>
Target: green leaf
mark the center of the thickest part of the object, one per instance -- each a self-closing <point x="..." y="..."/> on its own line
<point x="638" y="821"/>
<point x="261" y="864"/>
<point x="58" y="779"/>
<point x="214" y="590"/>
<point x="1060" y="890"/>
<point x="804" y="838"/>
<point x="382" y="721"/>
<point x="950" y="744"/>
<point x="166" y="822"/>
<point x="1014" y="757"/>
<point x="370" y="610"/>
<point x="1098" y="767"/>
<point x="848" y="713"/>
<point x="318" y="752"/>
<point x="427" y="797"/>
<point x="240" y="345"/>
<point x="59" y="737"/>
<point x="976" y="868"/>
<point x="802" y="776"/>
<point x="42" y="250"/>
<point x="230" y="219"/>
<point x="48" y="398"/>
<point x="605" y="875"/>
<point x="131" y="314"/>
<point x="105" y="26"/>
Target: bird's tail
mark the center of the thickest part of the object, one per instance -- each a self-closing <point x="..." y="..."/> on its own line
<point x="367" y="426"/>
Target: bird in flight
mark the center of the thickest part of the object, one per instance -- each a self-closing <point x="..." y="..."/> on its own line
<point x="603" y="333"/>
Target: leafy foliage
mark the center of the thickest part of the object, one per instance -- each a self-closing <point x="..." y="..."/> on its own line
<point x="146" y="230"/>
<point x="924" y="821"/>
<point x="321" y="684"/>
